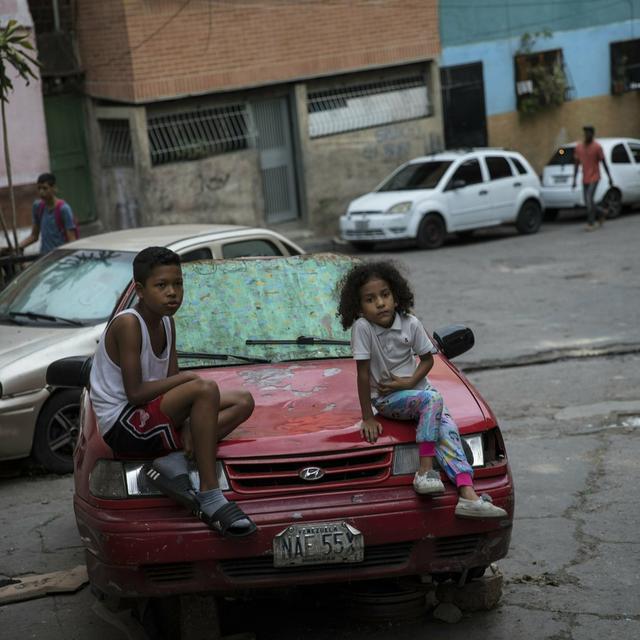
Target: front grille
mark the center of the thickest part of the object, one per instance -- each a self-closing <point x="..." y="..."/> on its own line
<point x="457" y="546"/>
<point x="370" y="233"/>
<point x="164" y="573"/>
<point x="387" y="555"/>
<point x="271" y="475"/>
<point x="364" y="213"/>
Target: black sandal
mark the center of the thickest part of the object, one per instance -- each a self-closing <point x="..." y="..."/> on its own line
<point x="178" y="488"/>
<point x="224" y="518"/>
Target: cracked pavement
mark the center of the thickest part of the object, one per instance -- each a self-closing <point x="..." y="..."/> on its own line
<point x="571" y="424"/>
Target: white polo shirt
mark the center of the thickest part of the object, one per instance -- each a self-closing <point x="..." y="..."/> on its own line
<point x="390" y="350"/>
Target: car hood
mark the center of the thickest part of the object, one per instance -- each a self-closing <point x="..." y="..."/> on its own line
<point x="26" y="352"/>
<point x="383" y="200"/>
<point x="312" y="406"/>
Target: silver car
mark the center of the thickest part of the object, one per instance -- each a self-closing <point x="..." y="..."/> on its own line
<point x="59" y="307"/>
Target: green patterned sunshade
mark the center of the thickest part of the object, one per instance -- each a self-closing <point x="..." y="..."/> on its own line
<point x="228" y="302"/>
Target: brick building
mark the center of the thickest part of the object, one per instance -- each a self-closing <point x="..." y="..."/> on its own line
<point x="255" y="112"/>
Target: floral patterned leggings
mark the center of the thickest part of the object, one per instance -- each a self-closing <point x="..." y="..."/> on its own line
<point x="437" y="433"/>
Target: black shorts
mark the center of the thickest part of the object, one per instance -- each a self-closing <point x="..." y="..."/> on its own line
<point x="143" y="431"/>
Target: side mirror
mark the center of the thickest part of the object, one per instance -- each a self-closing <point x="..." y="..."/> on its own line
<point x="454" y="340"/>
<point x="69" y="372"/>
<point x="458" y="183"/>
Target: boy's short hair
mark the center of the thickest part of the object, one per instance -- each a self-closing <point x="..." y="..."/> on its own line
<point x="46" y="178"/>
<point x="150" y="258"/>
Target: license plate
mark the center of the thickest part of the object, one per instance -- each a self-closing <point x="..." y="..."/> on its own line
<point x="560" y="178"/>
<point x="361" y="225"/>
<point x="318" y="543"/>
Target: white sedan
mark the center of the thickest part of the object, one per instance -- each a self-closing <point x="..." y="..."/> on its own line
<point x="59" y="307"/>
<point x="453" y="191"/>
<point x="622" y="156"/>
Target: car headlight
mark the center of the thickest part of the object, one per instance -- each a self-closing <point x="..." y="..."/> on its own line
<point x="406" y="459"/>
<point x="115" y="480"/>
<point x="401" y="207"/>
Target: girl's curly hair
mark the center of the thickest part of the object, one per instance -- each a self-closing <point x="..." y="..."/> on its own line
<point x="349" y="286"/>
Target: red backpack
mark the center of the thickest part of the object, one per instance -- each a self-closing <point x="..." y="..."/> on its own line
<point x="57" y="212"/>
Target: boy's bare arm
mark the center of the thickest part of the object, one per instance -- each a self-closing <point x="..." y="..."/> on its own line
<point x="128" y="340"/>
<point x="174" y="369"/>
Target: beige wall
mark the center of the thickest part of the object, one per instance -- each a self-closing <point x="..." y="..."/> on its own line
<point x="537" y="136"/>
<point x="222" y="189"/>
<point x="341" y="167"/>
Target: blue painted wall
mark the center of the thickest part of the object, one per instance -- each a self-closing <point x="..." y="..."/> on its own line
<point x="586" y="53"/>
<point x="467" y="21"/>
<point x="489" y="31"/>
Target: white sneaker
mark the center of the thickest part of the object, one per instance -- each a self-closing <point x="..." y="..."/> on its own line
<point x="478" y="509"/>
<point x="428" y="482"/>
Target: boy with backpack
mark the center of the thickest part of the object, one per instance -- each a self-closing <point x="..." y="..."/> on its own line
<point x="51" y="217"/>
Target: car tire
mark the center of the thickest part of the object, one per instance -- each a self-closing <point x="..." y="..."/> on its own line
<point x="529" y="217"/>
<point x="431" y="232"/>
<point x="550" y="215"/>
<point x="613" y="202"/>
<point x="57" y="430"/>
<point x="365" y="247"/>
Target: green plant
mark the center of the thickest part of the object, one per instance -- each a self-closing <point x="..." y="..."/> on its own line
<point x="545" y="73"/>
<point x="14" y="44"/>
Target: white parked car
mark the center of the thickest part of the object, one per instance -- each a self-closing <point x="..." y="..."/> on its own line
<point x="622" y="156"/>
<point x="59" y="307"/>
<point x="452" y="191"/>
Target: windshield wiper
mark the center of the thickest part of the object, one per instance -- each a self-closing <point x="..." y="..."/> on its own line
<point x="300" y="340"/>
<point x="200" y="355"/>
<point x="43" y="316"/>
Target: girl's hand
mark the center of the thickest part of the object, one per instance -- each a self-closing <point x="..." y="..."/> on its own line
<point x="395" y="384"/>
<point x="370" y="429"/>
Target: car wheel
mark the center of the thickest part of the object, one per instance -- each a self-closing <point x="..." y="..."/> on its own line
<point x="529" y="217"/>
<point x="57" y="430"/>
<point x="550" y="215"/>
<point x="363" y="246"/>
<point x="431" y="232"/>
<point x="612" y="202"/>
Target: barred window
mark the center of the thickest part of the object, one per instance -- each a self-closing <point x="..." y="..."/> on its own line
<point x="360" y="106"/>
<point x="115" y="137"/>
<point x="191" y="135"/>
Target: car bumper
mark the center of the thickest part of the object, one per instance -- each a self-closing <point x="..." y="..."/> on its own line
<point x="162" y="551"/>
<point x="566" y="198"/>
<point x="18" y="417"/>
<point x="375" y="228"/>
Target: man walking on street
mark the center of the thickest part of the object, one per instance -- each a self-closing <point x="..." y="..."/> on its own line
<point x="51" y="217"/>
<point x="589" y="154"/>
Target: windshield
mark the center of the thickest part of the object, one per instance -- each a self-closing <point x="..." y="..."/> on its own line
<point x="81" y="285"/>
<point x="417" y="175"/>
<point x="258" y="308"/>
<point x="564" y="155"/>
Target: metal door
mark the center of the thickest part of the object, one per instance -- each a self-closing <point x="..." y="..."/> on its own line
<point x="68" y="153"/>
<point x="465" y="123"/>
<point x="273" y="128"/>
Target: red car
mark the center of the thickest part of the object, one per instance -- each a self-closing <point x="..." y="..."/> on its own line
<point x="329" y="506"/>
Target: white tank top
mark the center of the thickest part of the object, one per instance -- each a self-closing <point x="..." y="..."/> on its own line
<point x="106" y="390"/>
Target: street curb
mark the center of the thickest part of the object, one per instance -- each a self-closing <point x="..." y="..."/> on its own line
<point x="553" y="355"/>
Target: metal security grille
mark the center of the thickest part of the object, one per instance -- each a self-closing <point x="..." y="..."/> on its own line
<point x="116" y="150"/>
<point x="191" y="135"/>
<point x="367" y="105"/>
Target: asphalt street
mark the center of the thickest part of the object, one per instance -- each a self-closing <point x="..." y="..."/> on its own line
<point x="557" y="356"/>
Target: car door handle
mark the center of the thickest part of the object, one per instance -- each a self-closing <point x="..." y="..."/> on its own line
<point x="483" y="192"/>
<point x="517" y="184"/>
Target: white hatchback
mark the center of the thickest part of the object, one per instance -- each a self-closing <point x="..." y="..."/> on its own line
<point x="622" y="156"/>
<point x="452" y="191"/>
